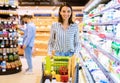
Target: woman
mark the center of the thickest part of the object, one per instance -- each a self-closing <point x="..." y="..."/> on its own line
<point x="64" y="36"/>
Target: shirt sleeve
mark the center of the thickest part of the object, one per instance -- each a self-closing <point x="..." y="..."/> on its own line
<point x="51" y="40"/>
<point x="77" y="42"/>
<point x="29" y="35"/>
<point x="22" y="28"/>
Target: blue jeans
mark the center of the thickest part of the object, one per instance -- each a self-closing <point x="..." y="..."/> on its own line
<point x="64" y="53"/>
<point x="28" y="56"/>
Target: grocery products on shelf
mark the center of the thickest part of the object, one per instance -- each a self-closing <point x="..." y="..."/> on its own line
<point x="9" y="59"/>
<point x="100" y="38"/>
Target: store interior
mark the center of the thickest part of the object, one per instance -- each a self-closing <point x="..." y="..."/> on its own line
<point x="99" y="28"/>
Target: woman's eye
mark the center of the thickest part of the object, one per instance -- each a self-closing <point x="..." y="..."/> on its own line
<point x="68" y="11"/>
<point x="63" y="11"/>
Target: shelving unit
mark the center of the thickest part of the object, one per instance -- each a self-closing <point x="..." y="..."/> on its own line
<point x="9" y="59"/>
<point x="100" y="37"/>
<point x="87" y="75"/>
<point x="106" y="73"/>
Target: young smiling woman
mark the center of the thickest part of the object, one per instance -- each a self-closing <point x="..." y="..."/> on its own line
<point x="64" y="35"/>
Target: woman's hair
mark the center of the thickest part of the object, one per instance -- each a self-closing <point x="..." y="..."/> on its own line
<point x="60" y="19"/>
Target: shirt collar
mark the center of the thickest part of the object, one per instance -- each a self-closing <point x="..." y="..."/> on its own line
<point x="74" y="24"/>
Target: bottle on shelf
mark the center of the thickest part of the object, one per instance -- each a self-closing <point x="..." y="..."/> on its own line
<point x="47" y="80"/>
<point x="53" y="80"/>
<point x="3" y="65"/>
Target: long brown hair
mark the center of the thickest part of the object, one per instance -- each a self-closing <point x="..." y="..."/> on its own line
<point x="60" y="19"/>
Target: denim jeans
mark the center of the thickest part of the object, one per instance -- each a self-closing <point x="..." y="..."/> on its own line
<point x="64" y="53"/>
<point x="28" y="56"/>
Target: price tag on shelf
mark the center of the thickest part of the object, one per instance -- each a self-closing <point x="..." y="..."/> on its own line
<point x="10" y="30"/>
<point x="14" y="22"/>
<point x="1" y="37"/>
<point x="9" y="22"/>
<point x="6" y="5"/>
<point x="4" y="53"/>
<point x="5" y="38"/>
<point x="11" y="14"/>
<point x="2" y="45"/>
<point x="10" y="38"/>
<point x="17" y="68"/>
<point x="4" y="30"/>
<point x="5" y="22"/>
<point x="11" y="46"/>
<point x="14" y="53"/>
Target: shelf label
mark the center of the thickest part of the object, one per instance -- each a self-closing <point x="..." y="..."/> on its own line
<point x="14" y="45"/>
<point x="4" y="30"/>
<point x="2" y="45"/>
<point x="5" y="38"/>
<point x="11" y="46"/>
<point x="14" y="53"/>
<point x="10" y="38"/>
<point x="4" y="53"/>
<point x="17" y="68"/>
<point x="11" y="14"/>
<point x="9" y="22"/>
<point x="5" y="22"/>
<point x="1" y="37"/>
<point x="10" y="30"/>
<point x="14" y="22"/>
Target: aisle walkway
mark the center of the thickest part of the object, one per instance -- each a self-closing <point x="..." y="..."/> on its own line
<point x="21" y="77"/>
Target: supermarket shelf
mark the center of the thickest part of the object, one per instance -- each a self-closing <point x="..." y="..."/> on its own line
<point x="104" y="36"/>
<point x="109" y="55"/>
<point x="111" y="22"/>
<point x="8" y="12"/>
<point x="11" y="71"/>
<point x="88" y="76"/>
<point x="116" y="6"/>
<point x="106" y="73"/>
<point x="92" y="4"/>
<point x="116" y="60"/>
<point x="8" y="6"/>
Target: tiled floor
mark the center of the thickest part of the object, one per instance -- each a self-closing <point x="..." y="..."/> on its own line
<point x="21" y="77"/>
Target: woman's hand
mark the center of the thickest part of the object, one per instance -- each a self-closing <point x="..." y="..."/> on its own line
<point x="50" y="55"/>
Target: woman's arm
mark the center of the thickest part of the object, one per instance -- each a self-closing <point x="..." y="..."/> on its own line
<point x="77" y="42"/>
<point x="51" y="40"/>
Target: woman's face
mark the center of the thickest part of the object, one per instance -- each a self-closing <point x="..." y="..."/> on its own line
<point x="65" y="13"/>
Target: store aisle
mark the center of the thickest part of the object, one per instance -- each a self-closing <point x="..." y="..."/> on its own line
<point x="21" y="77"/>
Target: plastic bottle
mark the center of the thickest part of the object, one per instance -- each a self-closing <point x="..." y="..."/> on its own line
<point x="53" y="80"/>
<point x="47" y="80"/>
<point x="3" y="64"/>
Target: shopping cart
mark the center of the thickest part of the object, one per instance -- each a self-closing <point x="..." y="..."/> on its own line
<point x="63" y="68"/>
